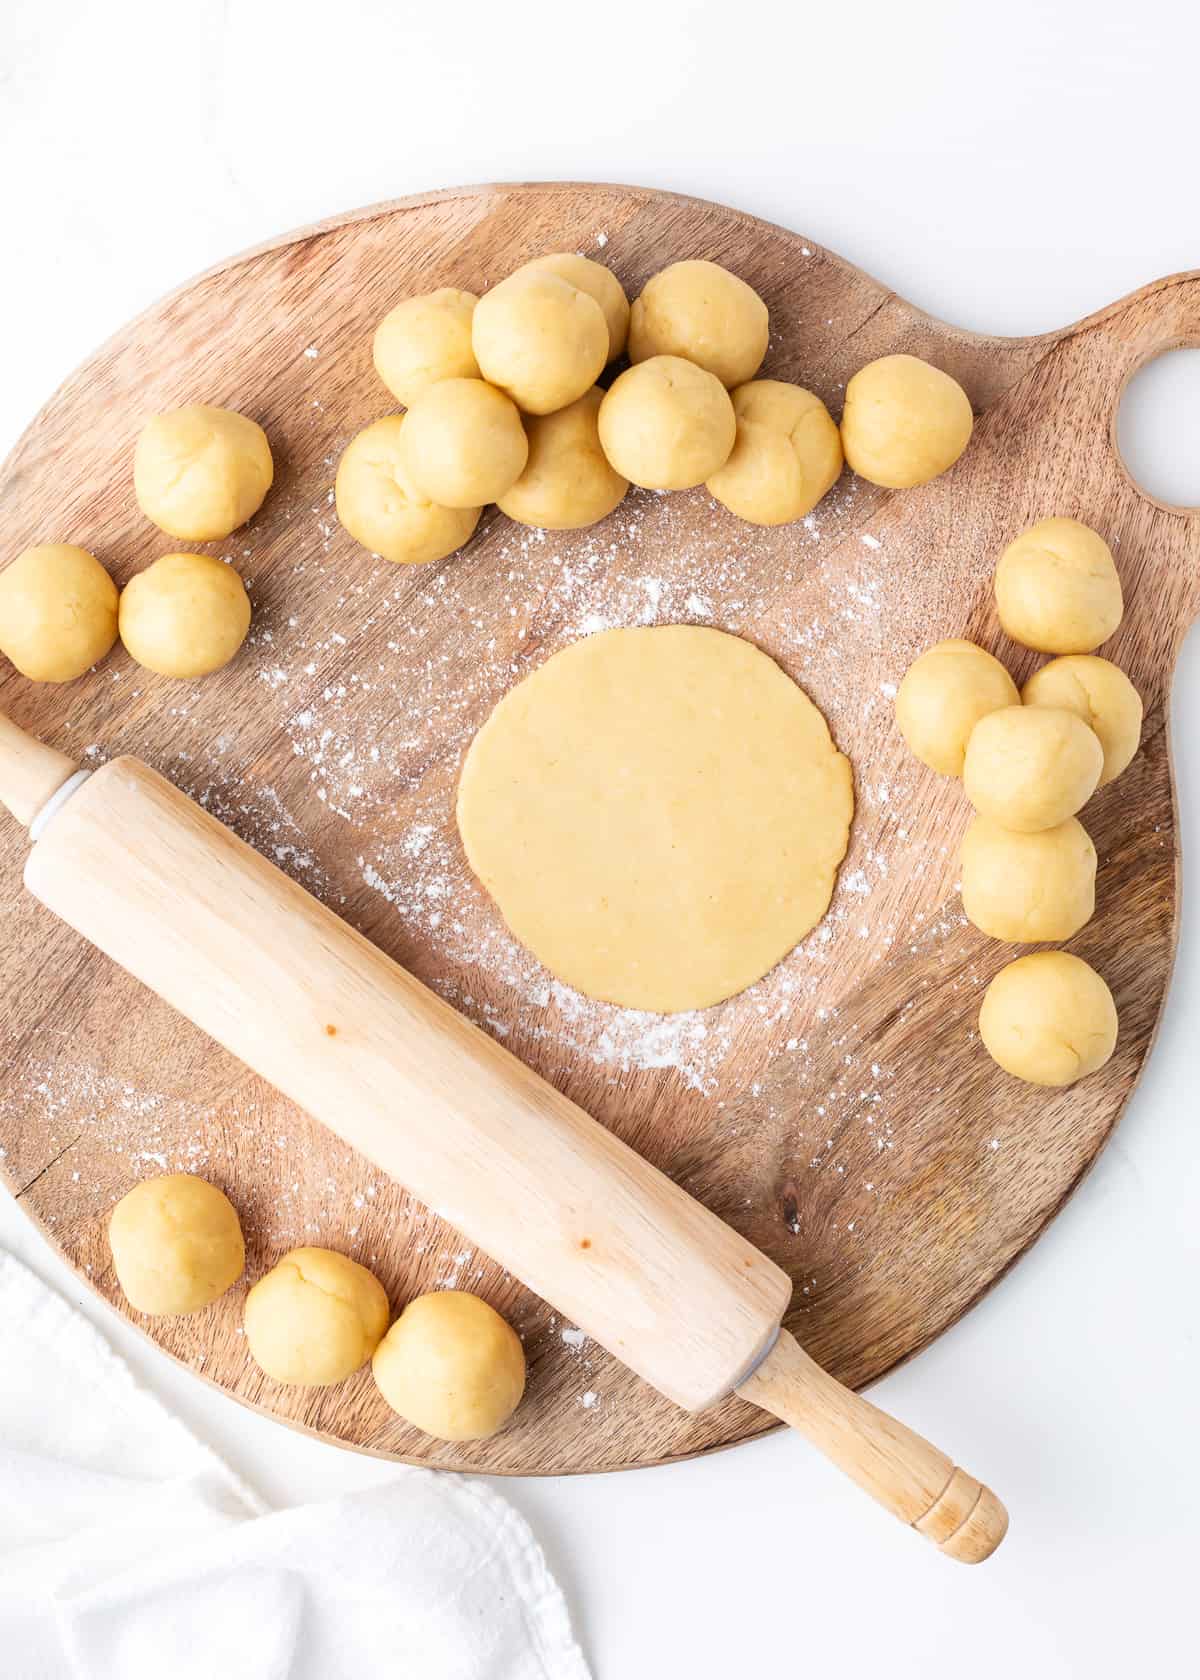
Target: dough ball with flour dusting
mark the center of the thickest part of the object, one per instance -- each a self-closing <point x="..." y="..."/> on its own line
<point x="568" y="480"/>
<point x="200" y="472"/>
<point x="463" y="443"/>
<point x="702" y="312"/>
<point x="315" y="1317"/>
<point x="943" y="695"/>
<point x="1099" y="694"/>
<point x="451" y="1366"/>
<point x="1026" y="888"/>
<point x="1049" y="1019"/>
<point x="666" y="424"/>
<point x="1031" y="767"/>
<point x="1057" y="588"/>
<point x="786" y="454"/>
<point x="598" y="282"/>
<point x="425" y="339"/>
<point x="58" y="612"/>
<point x="540" y="339"/>
<point x="176" y="1244"/>
<point x="184" y="616"/>
<point x="904" y="422"/>
<point x="383" y="508"/>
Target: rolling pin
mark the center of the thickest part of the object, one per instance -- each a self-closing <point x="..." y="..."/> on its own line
<point x="175" y="898"/>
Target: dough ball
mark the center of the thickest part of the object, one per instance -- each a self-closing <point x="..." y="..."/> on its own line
<point x="176" y="1244"/>
<point x="1027" y="888"/>
<point x="1099" y="693"/>
<point x="787" y="453"/>
<point x="1049" y="1019"/>
<point x="381" y="507"/>
<point x="185" y="615"/>
<point x="659" y="814"/>
<point x="200" y="472"/>
<point x="699" y="311"/>
<point x="315" y="1317"/>
<point x="463" y="443"/>
<point x="598" y="282"/>
<point x="904" y="422"/>
<point x="451" y="1366"/>
<point x="1057" y="589"/>
<point x="567" y="481"/>
<point x="58" y="612"/>
<point x="425" y="339"/>
<point x="666" y="424"/>
<point x="540" y="339"/>
<point x="944" y="694"/>
<point x="1031" y="767"/>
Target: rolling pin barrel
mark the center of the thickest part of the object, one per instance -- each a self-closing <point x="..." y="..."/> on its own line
<point x="246" y="954"/>
<point x="202" y="919"/>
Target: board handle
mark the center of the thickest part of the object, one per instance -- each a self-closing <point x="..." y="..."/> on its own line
<point x="30" y="773"/>
<point x="896" y="1466"/>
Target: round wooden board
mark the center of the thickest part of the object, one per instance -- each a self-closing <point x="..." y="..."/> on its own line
<point x="841" y="1113"/>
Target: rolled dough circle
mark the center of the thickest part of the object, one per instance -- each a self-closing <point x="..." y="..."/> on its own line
<point x="659" y="814"/>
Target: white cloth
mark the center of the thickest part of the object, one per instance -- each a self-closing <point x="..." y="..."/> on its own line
<point x="129" y="1551"/>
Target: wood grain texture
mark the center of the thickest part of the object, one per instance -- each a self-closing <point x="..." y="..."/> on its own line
<point x="841" y="1114"/>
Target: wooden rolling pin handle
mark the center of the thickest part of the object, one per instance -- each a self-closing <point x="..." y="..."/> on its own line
<point x="30" y="773"/>
<point x="908" y="1476"/>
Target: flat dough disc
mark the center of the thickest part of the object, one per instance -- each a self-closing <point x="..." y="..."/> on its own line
<point x="659" y="814"/>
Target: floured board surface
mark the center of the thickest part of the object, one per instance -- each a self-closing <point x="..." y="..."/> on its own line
<point x="842" y="1112"/>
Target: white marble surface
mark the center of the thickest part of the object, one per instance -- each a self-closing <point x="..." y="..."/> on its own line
<point x="1009" y="168"/>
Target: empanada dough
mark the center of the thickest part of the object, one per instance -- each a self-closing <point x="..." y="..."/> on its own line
<point x="659" y="814"/>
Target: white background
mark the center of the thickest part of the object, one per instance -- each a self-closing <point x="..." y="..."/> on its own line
<point x="1010" y="167"/>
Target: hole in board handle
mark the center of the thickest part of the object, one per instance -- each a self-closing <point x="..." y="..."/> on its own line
<point x="1157" y="429"/>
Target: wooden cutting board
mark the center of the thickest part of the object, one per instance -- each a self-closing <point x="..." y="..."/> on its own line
<point x="842" y="1113"/>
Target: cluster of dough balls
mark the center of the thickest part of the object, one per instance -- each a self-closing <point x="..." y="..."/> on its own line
<point x="1029" y="761"/>
<point x="198" y="473"/>
<point x="502" y="405"/>
<point x="450" y="1365"/>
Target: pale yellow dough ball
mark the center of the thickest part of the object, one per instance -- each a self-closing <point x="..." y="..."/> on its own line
<point x="1057" y="589"/>
<point x="425" y="339"/>
<point x="58" y="612"/>
<point x="598" y="282"/>
<point x="539" y="338"/>
<point x="200" y="472"/>
<point x="786" y="454"/>
<point x="1102" y="695"/>
<point x="904" y="422"/>
<point x="176" y="1244"/>
<point x="1027" y="888"/>
<point x="315" y="1317"/>
<point x="1031" y="767"/>
<point x="382" y="508"/>
<point x="702" y="312"/>
<point x="666" y="424"/>
<point x="463" y="443"/>
<point x="451" y="1366"/>
<point x="185" y="615"/>
<point x="1048" y="1019"/>
<point x="567" y="482"/>
<point x="943" y="695"/>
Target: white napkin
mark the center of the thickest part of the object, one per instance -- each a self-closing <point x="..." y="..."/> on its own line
<point x="129" y="1550"/>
